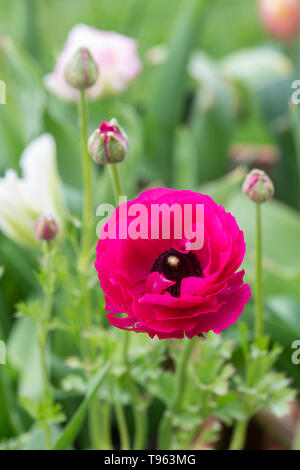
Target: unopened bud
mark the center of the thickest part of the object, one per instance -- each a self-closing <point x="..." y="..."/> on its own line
<point x="45" y="228"/>
<point x="258" y="186"/>
<point x="108" y="143"/>
<point x="81" y="71"/>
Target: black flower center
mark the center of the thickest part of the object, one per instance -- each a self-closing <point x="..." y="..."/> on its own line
<point x="176" y="266"/>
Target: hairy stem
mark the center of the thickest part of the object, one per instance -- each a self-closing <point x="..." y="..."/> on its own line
<point x="165" y="429"/>
<point x="122" y="426"/>
<point x="83" y="262"/>
<point x="139" y="409"/>
<point x="42" y="331"/>
<point x="87" y="223"/>
<point x="258" y="276"/>
<point x="115" y="177"/>
<point x="105" y="412"/>
<point x="238" y="437"/>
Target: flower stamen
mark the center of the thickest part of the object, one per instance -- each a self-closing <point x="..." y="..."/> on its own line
<point x="176" y="266"/>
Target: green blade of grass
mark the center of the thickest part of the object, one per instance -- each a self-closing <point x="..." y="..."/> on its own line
<point x="73" y="427"/>
<point x="295" y="122"/>
<point x="167" y="104"/>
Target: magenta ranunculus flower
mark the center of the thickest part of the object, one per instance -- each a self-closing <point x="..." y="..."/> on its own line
<point x="158" y="282"/>
<point x="115" y="55"/>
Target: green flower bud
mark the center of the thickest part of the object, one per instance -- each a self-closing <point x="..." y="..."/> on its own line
<point x="81" y="71"/>
<point x="108" y="143"/>
<point x="258" y="186"/>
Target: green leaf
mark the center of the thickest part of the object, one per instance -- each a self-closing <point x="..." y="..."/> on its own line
<point x="62" y="124"/>
<point x="168" y="99"/>
<point x="229" y="407"/>
<point x="23" y="354"/>
<point x="295" y="121"/>
<point x="73" y="427"/>
<point x="256" y="67"/>
<point x="222" y="189"/>
<point x="185" y="163"/>
<point x="282" y="319"/>
<point x="15" y="443"/>
<point x="212" y="120"/>
<point x="274" y="103"/>
<point x="5" y="418"/>
<point x="36" y="439"/>
<point x="296" y="444"/>
<point x="25" y="96"/>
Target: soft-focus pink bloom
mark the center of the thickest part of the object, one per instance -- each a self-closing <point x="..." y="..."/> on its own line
<point x="281" y="18"/>
<point x="165" y="289"/>
<point x="115" y="55"/>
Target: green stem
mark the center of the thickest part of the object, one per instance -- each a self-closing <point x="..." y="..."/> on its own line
<point x="46" y="387"/>
<point x="115" y="177"/>
<point x="87" y="223"/>
<point x="239" y="433"/>
<point x="94" y="426"/>
<point x="86" y="242"/>
<point x="121" y="420"/>
<point x="296" y="443"/>
<point x="120" y="415"/>
<point x="240" y="428"/>
<point x="48" y="437"/>
<point x="141" y="426"/>
<point x="295" y="120"/>
<point x="105" y="412"/>
<point x="139" y="408"/>
<point x="122" y="426"/>
<point x="165" y="429"/>
<point x="258" y="276"/>
<point x="42" y="331"/>
<point x="83" y="263"/>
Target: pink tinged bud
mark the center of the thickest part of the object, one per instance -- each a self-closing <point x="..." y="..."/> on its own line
<point x="45" y="228"/>
<point x="258" y="186"/>
<point x="81" y="71"/>
<point x="280" y="18"/>
<point x="108" y="143"/>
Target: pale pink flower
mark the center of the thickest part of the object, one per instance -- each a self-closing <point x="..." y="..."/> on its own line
<point x="115" y="55"/>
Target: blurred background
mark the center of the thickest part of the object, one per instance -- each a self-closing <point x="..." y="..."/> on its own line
<point x="213" y="99"/>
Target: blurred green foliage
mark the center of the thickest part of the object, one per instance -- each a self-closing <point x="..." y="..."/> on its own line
<point x="175" y="139"/>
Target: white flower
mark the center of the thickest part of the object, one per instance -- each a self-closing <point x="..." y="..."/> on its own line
<point x="23" y="200"/>
<point x="116" y="57"/>
<point x="257" y="66"/>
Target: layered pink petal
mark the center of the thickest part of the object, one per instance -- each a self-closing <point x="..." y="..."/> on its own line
<point x="212" y="299"/>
